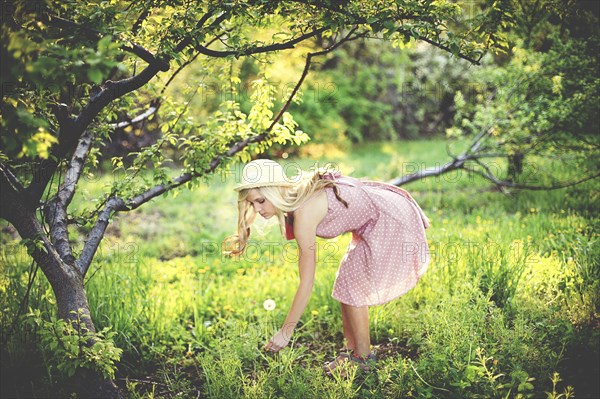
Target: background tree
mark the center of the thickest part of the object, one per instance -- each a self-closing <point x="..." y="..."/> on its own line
<point x="73" y="73"/>
<point x="533" y="107"/>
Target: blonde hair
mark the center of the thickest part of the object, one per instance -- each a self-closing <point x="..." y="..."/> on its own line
<point x="284" y="199"/>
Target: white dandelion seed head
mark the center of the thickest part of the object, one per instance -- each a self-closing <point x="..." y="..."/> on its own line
<point x="269" y="304"/>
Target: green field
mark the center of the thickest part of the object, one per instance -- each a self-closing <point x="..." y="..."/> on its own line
<point x="509" y="307"/>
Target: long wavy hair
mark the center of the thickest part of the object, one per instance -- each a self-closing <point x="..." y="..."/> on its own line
<point x="284" y="199"/>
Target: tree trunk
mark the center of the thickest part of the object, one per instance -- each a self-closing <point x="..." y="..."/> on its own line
<point x="515" y="166"/>
<point x="65" y="279"/>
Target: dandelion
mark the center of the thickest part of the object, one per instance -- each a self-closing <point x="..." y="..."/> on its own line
<point x="314" y="313"/>
<point x="269" y="305"/>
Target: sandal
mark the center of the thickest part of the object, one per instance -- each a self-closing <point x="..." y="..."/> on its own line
<point x="340" y="359"/>
<point x="363" y="362"/>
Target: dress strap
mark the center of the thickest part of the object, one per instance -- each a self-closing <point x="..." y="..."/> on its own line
<point x="338" y="178"/>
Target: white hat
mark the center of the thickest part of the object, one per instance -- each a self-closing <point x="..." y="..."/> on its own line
<point x="261" y="173"/>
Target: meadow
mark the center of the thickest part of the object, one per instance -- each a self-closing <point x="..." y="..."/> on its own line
<point x="508" y="308"/>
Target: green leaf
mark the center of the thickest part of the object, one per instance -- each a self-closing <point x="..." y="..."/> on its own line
<point x="104" y="43"/>
<point x="94" y="75"/>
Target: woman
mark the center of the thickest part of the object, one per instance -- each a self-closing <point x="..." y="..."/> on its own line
<point x="386" y="257"/>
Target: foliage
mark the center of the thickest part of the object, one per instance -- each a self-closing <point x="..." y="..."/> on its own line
<point x="83" y="52"/>
<point x="501" y="269"/>
<point x="538" y="103"/>
<point x="69" y="347"/>
<point x="350" y="96"/>
<point x="378" y="91"/>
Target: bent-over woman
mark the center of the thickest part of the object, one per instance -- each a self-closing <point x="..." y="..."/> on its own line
<point x="385" y="259"/>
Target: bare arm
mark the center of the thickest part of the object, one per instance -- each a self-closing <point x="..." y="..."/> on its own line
<point x="305" y="234"/>
<point x="306" y="221"/>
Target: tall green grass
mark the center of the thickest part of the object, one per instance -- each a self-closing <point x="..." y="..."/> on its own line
<point x="511" y="295"/>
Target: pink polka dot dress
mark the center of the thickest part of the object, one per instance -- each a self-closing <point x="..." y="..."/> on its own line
<point x="388" y="252"/>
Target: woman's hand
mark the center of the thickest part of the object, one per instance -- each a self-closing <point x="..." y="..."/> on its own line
<point x="279" y="341"/>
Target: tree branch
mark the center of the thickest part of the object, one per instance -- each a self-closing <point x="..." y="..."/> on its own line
<point x="75" y="168"/>
<point x="305" y="73"/>
<point x="143" y="116"/>
<point x="95" y="35"/>
<point x="147" y="56"/>
<point x="456" y="163"/>
<point x="112" y="90"/>
<point x="11" y="179"/>
<point x="156" y="103"/>
<point x="446" y="48"/>
<point x="356" y="19"/>
<point x="188" y="40"/>
<point x="459" y="163"/>
<point x="56" y="209"/>
<point x="138" y="23"/>
<point x="489" y="172"/>
<point x="91" y="244"/>
<point x="260" y="49"/>
<point x="510" y="184"/>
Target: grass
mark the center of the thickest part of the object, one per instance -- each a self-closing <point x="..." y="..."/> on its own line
<point x="510" y="298"/>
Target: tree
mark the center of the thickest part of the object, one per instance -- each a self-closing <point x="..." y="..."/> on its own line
<point x="533" y="110"/>
<point x="72" y="73"/>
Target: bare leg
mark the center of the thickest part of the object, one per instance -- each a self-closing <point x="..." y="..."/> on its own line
<point x="355" y="322"/>
<point x="350" y="342"/>
<point x="356" y="325"/>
